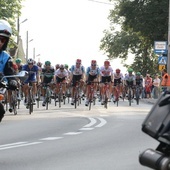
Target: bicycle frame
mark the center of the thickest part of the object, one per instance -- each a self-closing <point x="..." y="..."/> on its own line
<point x="106" y="94"/>
<point x="77" y="98"/>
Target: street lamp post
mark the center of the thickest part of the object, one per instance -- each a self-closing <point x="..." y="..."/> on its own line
<point x="27" y="41"/>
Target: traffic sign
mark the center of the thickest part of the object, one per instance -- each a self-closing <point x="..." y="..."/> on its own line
<point x="160" y="47"/>
<point x="162" y="60"/>
<point x="161" y="67"/>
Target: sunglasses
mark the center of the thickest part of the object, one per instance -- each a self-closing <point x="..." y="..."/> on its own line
<point x="93" y="64"/>
<point x="30" y="63"/>
<point x="3" y="39"/>
<point x="61" y="68"/>
<point x="78" y="63"/>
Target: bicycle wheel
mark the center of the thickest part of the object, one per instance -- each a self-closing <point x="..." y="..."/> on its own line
<point x="14" y="102"/>
<point x="75" y="100"/>
<point x="30" y="102"/>
<point x="137" y="96"/>
<point x="38" y="96"/>
<point x="130" y="97"/>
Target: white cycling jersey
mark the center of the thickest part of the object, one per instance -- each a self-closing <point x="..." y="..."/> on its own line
<point x="105" y="72"/>
<point x="118" y="76"/>
<point x="77" y="70"/>
<point x="61" y="74"/>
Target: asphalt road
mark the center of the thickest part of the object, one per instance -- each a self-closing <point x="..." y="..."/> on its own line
<point x="75" y="139"/>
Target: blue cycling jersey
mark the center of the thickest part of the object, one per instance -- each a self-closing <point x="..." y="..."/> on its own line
<point x="4" y="56"/>
<point x="31" y="72"/>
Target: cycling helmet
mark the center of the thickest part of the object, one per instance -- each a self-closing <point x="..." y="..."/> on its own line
<point x="5" y="29"/>
<point x="117" y="70"/>
<point x="13" y="85"/>
<point x="18" y="60"/>
<point x="78" y="61"/>
<point x="130" y="70"/>
<point x="47" y="63"/>
<point x="93" y="62"/>
<point x="30" y="61"/>
<point x="138" y="73"/>
<point x="107" y="62"/>
<point x="62" y="66"/>
<point x="39" y="64"/>
<point x="57" y="66"/>
<point x="66" y="65"/>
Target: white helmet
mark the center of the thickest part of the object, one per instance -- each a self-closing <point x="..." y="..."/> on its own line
<point x="5" y="28"/>
<point x="30" y="60"/>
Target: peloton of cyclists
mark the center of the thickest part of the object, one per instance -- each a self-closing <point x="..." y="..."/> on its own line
<point x="92" y="75"/>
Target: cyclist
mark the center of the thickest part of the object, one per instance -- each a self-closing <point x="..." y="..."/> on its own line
<point x="139" y="82"/>
<point x="130" y="80"/>
<point x="33" y="78"/>
<point x="77" y="75"/>
<point x="106" y="75"/>
<point x="118" y="80"/>
<point x="57" y="66"/>
<point x="18" y="62"/>
<point x="47" y="76"/>
<point x="60" y="76"/>
<point x="6" y="63"/>
<point x="92" y="74"/>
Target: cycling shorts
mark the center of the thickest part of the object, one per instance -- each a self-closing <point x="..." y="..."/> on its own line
<point x="76" y="78"/>
<point x="106" y="79"/>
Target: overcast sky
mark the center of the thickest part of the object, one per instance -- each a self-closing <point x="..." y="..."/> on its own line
<point x="64" y="30"/>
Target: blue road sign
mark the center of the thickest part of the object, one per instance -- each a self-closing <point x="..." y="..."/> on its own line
<point x="162" y="60"/>
<point x="160" y="47"/>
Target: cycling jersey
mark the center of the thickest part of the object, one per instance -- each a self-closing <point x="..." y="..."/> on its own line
<point x="139" y="81"/>
<point x="130" y="79"/>
<point x="47" y="75"/>
<point x="4" y="57"/>
<point x="61" y="74"/>
<point x="77" y="70"/>
<point x="92" y="72"/>
<point x="32" y="73"/>
<point x="118" y="77"/>
<point x="106" y="72"/>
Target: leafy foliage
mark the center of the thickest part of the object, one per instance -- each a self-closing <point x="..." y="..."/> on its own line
<point x="141" y="23"/>
<point x="10" y="10"/>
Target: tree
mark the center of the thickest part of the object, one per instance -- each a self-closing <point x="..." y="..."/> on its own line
<point x="142" y="22"/>
<point x="10" y="10"/>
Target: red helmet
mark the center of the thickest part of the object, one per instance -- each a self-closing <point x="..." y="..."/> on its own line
<point x="107" y="62"/>
<point x="78" y="61"/>
<point x="93" y="62"/>
<point x="117" y="70"/>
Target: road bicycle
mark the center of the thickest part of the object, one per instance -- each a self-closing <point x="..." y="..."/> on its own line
<point x="31" y="101"/>
<point x="137" y="94"/>
<point x="77" y="98"/>
<point x="47" y="95"/>
<point x="106" y="94"/>
<point x="60" y="97"/>
<point x="38" y="95"/>
<point x="117" y="93"/>
<point x="130" y="94"/>
<point x="91" y="97"/>
<point x="14" y="101"/>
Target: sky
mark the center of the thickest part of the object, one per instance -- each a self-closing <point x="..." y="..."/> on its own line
<point x="65" y="30"/>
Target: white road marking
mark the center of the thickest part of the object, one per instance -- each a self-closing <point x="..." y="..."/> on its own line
<point x="93" y="121"/>
<point x="86" y="129"/>
<point x="51" y="138"/>
<point x="72" y="133"/>
<point x="103" y="122"/>
<point x="20" y="145"/>
<point x="11" y="144"/>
